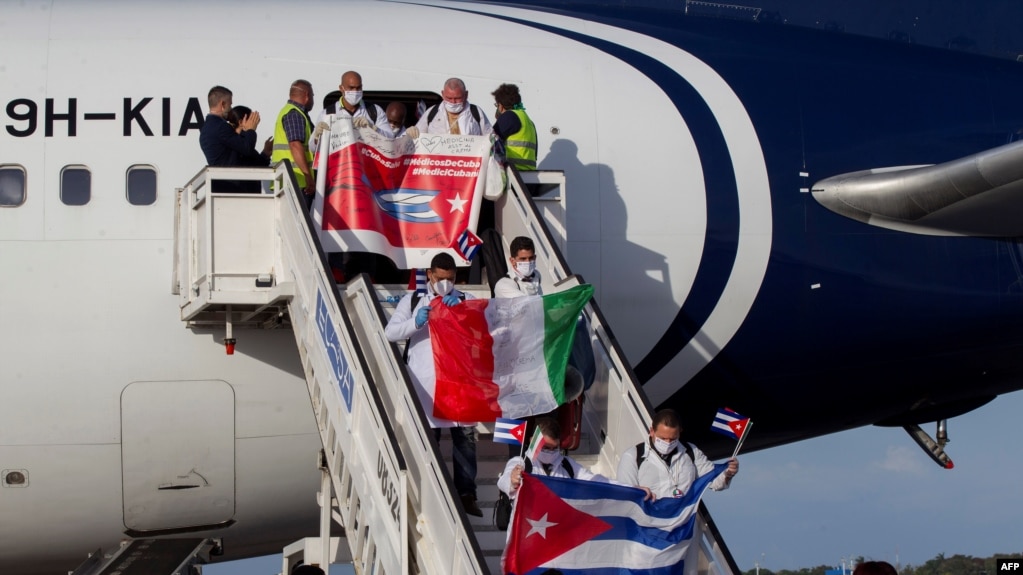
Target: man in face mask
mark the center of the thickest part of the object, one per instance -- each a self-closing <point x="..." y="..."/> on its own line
<point x="549" y="461"/>
<point x="666" y="465"/>
<point x="455" y="115"/>
<point x="523" y="277"/>
<point x="363" y="115"/>
<point x="409" y="322"/>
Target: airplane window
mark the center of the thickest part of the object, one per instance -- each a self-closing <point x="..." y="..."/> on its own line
<point x="141" y="185"/>
<point x="75" y="185"/>
<point x="12" y="186"/>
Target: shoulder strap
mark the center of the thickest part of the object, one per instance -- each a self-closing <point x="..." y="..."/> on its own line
<point x="689" y="451"/>
<point x="640" y="453"/>
<point x="412" y="308"/>
<point x="568" y="468"/>
<point x="371" y="111"/>
<point x="528" y="466"/>
<point x="472" y="110"/>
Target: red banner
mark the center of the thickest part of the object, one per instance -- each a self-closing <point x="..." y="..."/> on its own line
<point x="406" y="199"/>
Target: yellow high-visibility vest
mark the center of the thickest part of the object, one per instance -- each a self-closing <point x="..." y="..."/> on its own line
<point x="520" y="147"/>
<point x="282" y="148"/>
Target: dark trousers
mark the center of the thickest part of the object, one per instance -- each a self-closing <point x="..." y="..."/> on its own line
<point x="463" y="440"/>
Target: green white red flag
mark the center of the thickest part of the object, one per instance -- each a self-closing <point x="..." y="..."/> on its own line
<point x="503" y="357"/>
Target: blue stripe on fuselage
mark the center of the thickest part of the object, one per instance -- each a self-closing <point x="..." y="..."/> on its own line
<point x="722" y="234"/>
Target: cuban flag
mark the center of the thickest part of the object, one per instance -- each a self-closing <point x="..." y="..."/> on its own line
<point x="467" y="245"/>
<point x="730" y="423"/>
<point x="417" y="281"/>
<point x="585" y="527"/>
<point x="510" y="431"/>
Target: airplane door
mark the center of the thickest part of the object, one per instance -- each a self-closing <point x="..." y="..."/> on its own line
<point x="177" y="454"/>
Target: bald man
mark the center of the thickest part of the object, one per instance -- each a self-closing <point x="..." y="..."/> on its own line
<point x="455" y="115"/>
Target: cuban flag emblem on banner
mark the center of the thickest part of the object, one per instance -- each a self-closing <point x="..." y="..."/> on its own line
<point x="585" y="527"/>
<point x="402" y="198"/>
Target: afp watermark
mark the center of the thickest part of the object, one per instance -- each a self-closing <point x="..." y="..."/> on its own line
<point x="1010" y="564"/>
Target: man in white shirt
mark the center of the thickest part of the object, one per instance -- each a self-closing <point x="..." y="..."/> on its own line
<point x="455" y="115"/>
<point x="549" y="462"/>
<point x="363" y="116"/>
<point x="667" y="466"/>
<point x="523" y="277"/>
<point x="410" y="323"/>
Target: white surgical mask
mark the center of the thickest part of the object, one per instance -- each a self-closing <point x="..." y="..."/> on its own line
<point x="664" y="446"/>
<point x="525" y="269"/>
<point x="546" y="457"/>
<point x="443" y="287"/>
<point x="353" y="97"/>
<point x="454" y="108"/>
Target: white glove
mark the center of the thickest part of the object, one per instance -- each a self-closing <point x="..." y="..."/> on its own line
<point x="361" y="122"/>
<point x="320" y="128"/>
<point x="412" y="132"/>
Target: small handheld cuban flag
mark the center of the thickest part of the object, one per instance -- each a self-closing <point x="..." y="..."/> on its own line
<point x="468" y="244"/>
<point x="730" y="423"/>
<point x="510" y="431"/>
<point x="417" y="281"/>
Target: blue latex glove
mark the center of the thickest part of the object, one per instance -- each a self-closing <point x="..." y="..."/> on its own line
<point x="422" y="315"/>
<point x="450" y="300"/>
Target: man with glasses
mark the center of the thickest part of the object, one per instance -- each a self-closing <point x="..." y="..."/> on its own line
<point x="549" y="462"/>
<point x="455" y="115"/>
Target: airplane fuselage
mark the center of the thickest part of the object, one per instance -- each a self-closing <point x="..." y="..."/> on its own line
<point x="689" y="146"/>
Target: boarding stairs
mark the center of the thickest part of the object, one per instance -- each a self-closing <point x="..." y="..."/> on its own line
<point x="151" y="557"/>
<point x="246" y="261"/>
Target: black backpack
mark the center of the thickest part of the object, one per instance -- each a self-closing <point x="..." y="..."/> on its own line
<point x="641" y="453"/>
<point x="503" y="509"/>
<point x="472" y="110"/>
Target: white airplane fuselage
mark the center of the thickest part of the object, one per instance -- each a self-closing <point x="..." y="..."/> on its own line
<point x="102" y="380"/>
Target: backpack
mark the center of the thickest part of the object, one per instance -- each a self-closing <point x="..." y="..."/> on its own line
<point x="371" y="111"/>
<point x="472" y="110"/>
<point x="416" y="296"/>
<point x="503" y="509"/>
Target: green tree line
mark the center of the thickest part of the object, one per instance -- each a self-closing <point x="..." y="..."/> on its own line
<point x="939" y="565"/>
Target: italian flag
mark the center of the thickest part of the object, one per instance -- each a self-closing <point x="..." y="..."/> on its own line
<point x="503" y="357"/>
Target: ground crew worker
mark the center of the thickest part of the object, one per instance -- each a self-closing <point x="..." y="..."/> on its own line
<point x="514" y="128"/>
<point x="291" y="132"/>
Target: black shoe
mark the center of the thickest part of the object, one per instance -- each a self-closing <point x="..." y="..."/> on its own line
<point x="469" y="503"/>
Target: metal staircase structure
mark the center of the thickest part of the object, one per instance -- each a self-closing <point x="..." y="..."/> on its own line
<point x="254" y="261"/>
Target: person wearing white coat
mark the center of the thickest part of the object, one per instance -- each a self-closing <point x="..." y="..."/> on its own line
<point x="411" y="324"/>
<point x="455" y="115"/>
<point x="549" y="461"/>
<point x="666" y="466"/>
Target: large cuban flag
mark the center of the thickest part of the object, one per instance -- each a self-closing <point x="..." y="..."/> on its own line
<point x="402" y="198"/>
<point x="584" y="527"/>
